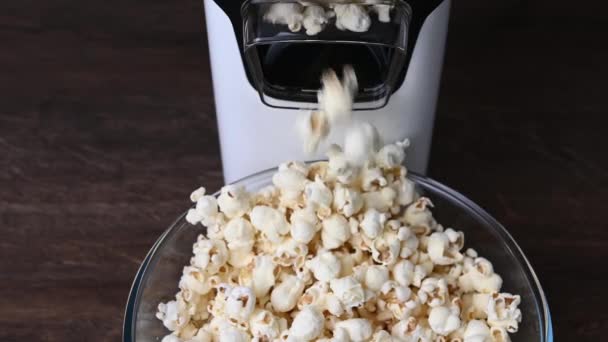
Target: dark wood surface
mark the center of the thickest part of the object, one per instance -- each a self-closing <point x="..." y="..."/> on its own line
<point x="107" y="123"/>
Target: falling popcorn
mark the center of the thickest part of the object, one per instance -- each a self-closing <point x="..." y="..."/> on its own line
<point x="335" y="105"/>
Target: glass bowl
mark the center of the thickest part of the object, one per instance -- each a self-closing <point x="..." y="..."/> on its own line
<point x="158" y="276"/>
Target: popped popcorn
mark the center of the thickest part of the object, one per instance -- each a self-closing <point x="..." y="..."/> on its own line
<point x="263" y="275"/>
<point x="264" y="325"/>
<point x="347" y="201"/>
<point x="335" y="231"/>
<point x="206" y="211"/>
<point x="209" y="255"/>
<point x="285" y="295"/>
<point x="479" y="276"/>
<point x="386" y="248"/>
<point x="433" y="292"/>
<point x="239" y="233"/>
<point x="475" y="305"/>
<point x="410" y="330"/>
<point x="194" y="279"/>
<point x="405" y="191"/>
<point x="381" y="200"/>
<point x="373" y="223"/>
<point x="335" y="105"/>
<point x="383" y="12"/>
<point x="232" y="334"/>
<point x="392" y="155"/>
<point x="233" y="201"/>
<point x="290" y="180"/>
<point x="409" y="241"/>
<point x="349" y="291"/>
<point x="290" y="252"/>
<point x="270" y="221"/>
<point x="443" y="321"/>
<point x="307" y="324"/>
<point x="315" y="19"/>
<point x="339" y="167"/>
<point x="503" y="312"/>
<point x="319" y="197"/>
<point x="372" y="179"/>
<point x="342" y="250"/>
<point x="289" y="14"/>
<point x="325" y="266"/>
<point x="352" y="17"/>
<point x="382" y="336"/>
<point x="336" y="97"/>
<point x="477" y="331"/>
<point x="240" y="303"/>
<point x="358" y="329"/>
<point x="419" y="217"/>
<point x="197" y="194"/>
<point x="360" y="143"/>
<point x="444" y="247"/>
<point x="172" y="316"/>
<point x="304" y="225"/>
<point x="403" y="272"/>
<point x="499" y="334"/>
<point x="312" y="128"/>
<point x="375" y="277"/>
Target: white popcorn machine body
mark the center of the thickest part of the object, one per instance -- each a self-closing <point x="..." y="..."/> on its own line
<point x="265" y="75"/>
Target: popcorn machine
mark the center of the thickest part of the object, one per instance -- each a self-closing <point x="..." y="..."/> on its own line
<point x="267" y="58"/>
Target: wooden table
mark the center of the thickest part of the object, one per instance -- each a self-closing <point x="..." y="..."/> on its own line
<point x="107" y="123"/>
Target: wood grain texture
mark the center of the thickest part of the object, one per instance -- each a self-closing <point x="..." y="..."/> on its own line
<point x="107" y="123"/>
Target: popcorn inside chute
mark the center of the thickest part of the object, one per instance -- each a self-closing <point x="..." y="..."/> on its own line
<point x="315" y="16"/>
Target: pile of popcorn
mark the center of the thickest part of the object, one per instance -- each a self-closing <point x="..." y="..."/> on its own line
<point x="314" y="16"/>
<point x="336" y="251"/>
<point x="339" y="250"/>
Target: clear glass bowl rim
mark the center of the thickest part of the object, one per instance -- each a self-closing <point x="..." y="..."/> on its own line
<point x="130" y="316"/>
